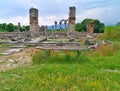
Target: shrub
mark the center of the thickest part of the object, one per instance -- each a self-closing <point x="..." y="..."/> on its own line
<point x="38" y="56"/>
<point x="116" y="46"/>
<point x="111" y="33"/>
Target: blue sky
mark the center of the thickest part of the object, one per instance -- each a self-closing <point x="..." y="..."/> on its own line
<point x="14" y="11"/>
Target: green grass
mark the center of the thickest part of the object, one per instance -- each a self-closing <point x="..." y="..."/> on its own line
<point x="57" y="57"/>
<point x="111" y="33"/>
<point x="3" y="46"/>
<point x="88" y="74"/>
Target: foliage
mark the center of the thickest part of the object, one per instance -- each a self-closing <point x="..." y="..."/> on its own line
<point x="98" y="27"/>
<point x="4" y="46"/>
<point x="3" y="27"/>
<point x="118" y="24"/>
<point x="24" y="28"/>
<point x="84" y="23"/>
<point x="56" y="57"/>
<point x="79" y="27"/>
<point x="2" y="30"/>
<point x="100" y="73"/>
<point x="37" y="56"/>
<point x="105" y="50"/>
<point x="111" y="33"/>
<point x="11" y="27"/>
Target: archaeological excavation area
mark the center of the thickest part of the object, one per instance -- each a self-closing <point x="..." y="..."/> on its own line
<point x="74" y="50"/>
<point x="16" y="47"/>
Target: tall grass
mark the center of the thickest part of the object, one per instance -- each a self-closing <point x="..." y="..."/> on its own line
<point x="56" y="75"/>
<point x="58" y="57"/>
<point x="111" y="33"/>
<point x="105" y="50"/>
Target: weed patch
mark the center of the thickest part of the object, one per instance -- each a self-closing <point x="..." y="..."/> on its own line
<point x="58" y="57"/>
<point x="111" y="33"/>
<point x="105" y="50"/>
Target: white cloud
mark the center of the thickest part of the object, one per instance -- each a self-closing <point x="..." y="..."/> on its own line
<point x="54" y="10"/>
<point x="50" y="19"/>
<point x="24" y="20"/>
<point x="15" y="20"/>
<point x="107" y="14"/>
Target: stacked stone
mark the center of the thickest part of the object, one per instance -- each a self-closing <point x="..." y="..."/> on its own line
<point x="72" y="17"/>
<point x="33" y="12"/>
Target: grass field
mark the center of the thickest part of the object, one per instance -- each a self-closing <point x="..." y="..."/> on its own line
<point x="90" y="73"/>
<point x="95" y="71"/>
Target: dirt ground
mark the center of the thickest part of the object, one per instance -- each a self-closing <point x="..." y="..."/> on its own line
<point x="14" y="60"/>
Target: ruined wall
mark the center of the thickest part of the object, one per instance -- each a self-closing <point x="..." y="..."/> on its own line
<point x="90" y="27"/>
<point x="33" y="12"/>
<point x="72" y="18"/>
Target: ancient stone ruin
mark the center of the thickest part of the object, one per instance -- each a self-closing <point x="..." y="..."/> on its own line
<point x="72" y="17"/>
<point x="90" y="27"/>
<point x="18" y="32"/>
<point x="34" y="27"/>
<point x="36" y="31"/>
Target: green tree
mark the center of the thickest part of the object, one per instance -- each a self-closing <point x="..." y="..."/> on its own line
<point x="98" y="26"/>
<point x="10" y="27"/>
<point x="27" y="28"/>
<point x="84" y="22"/>
<point x="3" y="27"/>
<point x="24" y="28"/>
<point x="118" y="24"/>
<point x="78" y="27"/>
<point x="15" y="27"/>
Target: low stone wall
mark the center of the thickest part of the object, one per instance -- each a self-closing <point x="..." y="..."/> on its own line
<point x="13" y="34"/>
<point x="76" y="35"/>
<point x="8" y="34"/>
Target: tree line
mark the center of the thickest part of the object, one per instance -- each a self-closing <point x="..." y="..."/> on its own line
<point x="98" y="26"/>
<point x="10" y="27"/>
<point x="80" y="27"/>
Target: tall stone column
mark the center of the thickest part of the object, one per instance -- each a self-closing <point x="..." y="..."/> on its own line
<point x="72" y="18"/>
<point x="33" y="14"/>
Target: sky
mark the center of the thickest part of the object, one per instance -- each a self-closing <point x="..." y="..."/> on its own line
<point x="14" y="11"/>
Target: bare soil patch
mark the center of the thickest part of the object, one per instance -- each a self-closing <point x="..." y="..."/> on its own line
<point x="15" y="59"/>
